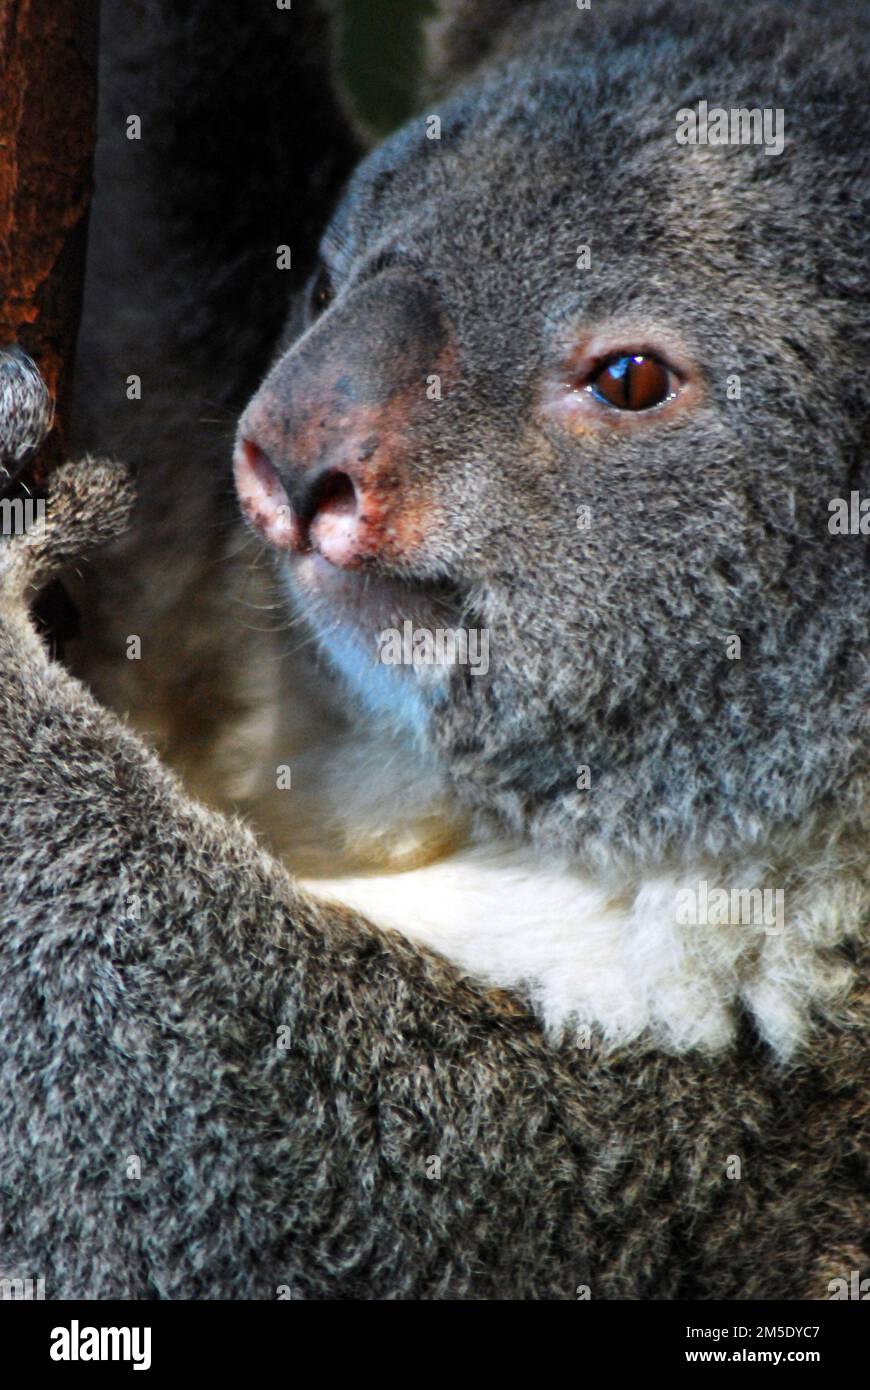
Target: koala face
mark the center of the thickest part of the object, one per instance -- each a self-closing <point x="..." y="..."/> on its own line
<point x="570" y="384"/>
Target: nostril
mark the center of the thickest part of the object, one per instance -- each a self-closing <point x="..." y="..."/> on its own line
<point x="258" y="463"/>
<point x="262" y="496"/>
<point x="331" y="492"/>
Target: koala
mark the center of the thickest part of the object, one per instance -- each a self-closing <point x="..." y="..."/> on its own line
<point x="549" y="970"/>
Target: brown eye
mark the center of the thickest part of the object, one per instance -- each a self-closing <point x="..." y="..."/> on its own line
<point x="632" y="382"/>
<point x="320" y="293"/>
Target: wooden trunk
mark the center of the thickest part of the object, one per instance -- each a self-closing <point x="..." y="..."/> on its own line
<point x="47" y="127"/>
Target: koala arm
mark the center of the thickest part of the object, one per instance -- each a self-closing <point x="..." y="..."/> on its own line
<point x="212" y="1085"/>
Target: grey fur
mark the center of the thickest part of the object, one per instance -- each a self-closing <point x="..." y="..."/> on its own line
<point x="154" y="1032"/>
<point x="157" y="1038"/>
<point x="26" y="410"/>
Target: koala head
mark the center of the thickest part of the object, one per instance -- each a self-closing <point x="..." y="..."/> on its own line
<point x="572" y="383"/>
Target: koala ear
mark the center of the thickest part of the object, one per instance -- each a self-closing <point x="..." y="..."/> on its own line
<point x="461" y="34"/>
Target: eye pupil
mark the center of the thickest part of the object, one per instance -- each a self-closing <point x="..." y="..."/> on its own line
<point x="632" y="381"/>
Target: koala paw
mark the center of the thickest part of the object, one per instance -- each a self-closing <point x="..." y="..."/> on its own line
<point x="88" y="502"/>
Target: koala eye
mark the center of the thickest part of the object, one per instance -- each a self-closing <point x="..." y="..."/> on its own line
<point x="321" y="293"/>
<point x="632" y="381"/>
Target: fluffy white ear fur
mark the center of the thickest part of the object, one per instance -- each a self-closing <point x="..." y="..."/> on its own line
<point x="624" y="962"/>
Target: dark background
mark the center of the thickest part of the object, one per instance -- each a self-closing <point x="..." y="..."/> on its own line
<point x="379" y="53"/>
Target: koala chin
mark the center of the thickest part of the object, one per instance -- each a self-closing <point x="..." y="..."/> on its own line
<point x="573" y="386"/>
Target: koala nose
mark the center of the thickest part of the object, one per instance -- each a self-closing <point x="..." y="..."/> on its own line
<point x="326" y="449"/>
<point x="323" y="510"/>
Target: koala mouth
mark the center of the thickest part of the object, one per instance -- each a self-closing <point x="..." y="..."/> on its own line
<point x="368" y="604"/>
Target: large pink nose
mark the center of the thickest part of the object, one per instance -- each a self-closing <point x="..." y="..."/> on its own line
<point x="326" y="450"/>
<point x="332" y="513"/>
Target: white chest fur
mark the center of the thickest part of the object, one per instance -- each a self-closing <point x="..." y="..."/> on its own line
<point x="637" y="963"/>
